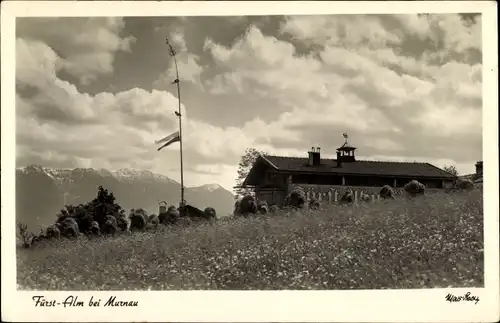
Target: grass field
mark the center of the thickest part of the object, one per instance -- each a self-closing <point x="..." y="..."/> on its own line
<point x="430" y="241"/>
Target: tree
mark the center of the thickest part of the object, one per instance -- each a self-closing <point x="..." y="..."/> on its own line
<point x="246" y="163"/>
<point x="96" y="210"/>
<point x="451" y="169"/>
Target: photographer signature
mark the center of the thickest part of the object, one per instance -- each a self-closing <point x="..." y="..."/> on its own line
<point x="467" y="297"/>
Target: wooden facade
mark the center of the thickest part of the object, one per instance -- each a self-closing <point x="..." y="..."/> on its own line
<point x="274" y="177"/>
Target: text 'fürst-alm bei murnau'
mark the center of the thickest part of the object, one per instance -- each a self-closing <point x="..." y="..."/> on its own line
<point x="75" y="301"/>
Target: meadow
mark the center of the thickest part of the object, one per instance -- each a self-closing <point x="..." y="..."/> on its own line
<point x="428" y="241"/>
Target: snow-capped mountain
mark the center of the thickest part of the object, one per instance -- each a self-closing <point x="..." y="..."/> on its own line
<point x="208" y="187"/>
<point x="74" y="174"/>
<point x="41" y="192"/>
<point x="131" y="174"/>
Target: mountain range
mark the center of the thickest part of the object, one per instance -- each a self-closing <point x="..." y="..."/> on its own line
<point x="42" y="192"/>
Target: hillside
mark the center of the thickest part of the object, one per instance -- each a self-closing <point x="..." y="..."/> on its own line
<point x="433" y="241"/>
<point x="40" y="191"/>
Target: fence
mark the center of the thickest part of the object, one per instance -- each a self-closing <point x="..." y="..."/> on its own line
<point x="332" y="194"/>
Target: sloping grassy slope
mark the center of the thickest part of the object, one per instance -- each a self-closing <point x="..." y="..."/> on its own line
<point x="431" y="241"/>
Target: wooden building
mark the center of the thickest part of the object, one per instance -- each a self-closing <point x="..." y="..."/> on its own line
<point x="273" y="177"/>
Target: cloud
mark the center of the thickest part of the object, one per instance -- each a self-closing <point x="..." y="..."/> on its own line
<point x="263" y="61"/>
<point x="59" y="125"/>
<point x="341" y="30"/>
<point x="359" y="81"/>
<point x="187" y="64"/>
<point x="437" y="35"/>
<point x="447" y="31"/>
<point x="85" y="46"/>
<point x="360" y="75"/>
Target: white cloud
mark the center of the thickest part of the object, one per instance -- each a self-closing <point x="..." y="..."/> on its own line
<point x="367" y="89"/>
<point x="188" y="64"/>
<point x="60" y="123"/>
<point x="86" y="46"/>
<point x="387" y="100"/>
<point x="342" y="30"/>
<point x="418" y="25"/>
<point x="458" y="36"/>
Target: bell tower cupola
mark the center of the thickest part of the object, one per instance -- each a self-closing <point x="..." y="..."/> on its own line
<point x="346" y="152"/>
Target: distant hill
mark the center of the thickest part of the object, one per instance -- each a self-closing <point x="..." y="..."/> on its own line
<point x="40" y="191"/>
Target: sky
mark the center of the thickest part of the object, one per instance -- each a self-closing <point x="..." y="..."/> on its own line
<point x="97" y="92"/>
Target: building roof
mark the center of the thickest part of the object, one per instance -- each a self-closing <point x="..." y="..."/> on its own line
<point x="346" y="146"/>
<point x="360" y="167"/>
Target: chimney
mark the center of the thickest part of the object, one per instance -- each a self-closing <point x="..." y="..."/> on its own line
<point x="317" y="157"/>
<point x="339" y="162"/>
<point x="314" y="156"/>
<point x="479" y="168"/>
<point x="311" y="156"/>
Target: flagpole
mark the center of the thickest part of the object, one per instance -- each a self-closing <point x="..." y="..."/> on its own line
<point x="177" y="81"/>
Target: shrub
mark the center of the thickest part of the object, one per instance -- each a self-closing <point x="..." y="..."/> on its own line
<point x="464" y="184"/>
<point x="24" y="235"/>
<point x="138" y="219"/>
<point x="273" y="209"/>
<point x="386" y="192"/>
<point x="347" y="197"/>
<point x="37" y="238"/>
<point x="262" y="207"/>
<point x="69" y="228"/>
<point x="170" y="217"/>
<point x="96" y="210"/>
<point x="154" y="219"/>
<point x="210" y="212"/>
<point x="237" y="210"/>
<point x="122" y="222"/>
<point x="365" y="197"/>
<point x="94" y="228"/>
<point x="110" y="226"/>
<point x="248" y="205"/>
<point x="79" y="213"/>
<point x="296" y="198"/>
<point x="414" y="188"/>
<point x="53" y="232"/>
<point x="103" y="205"/>
<point x="314" y="204"/>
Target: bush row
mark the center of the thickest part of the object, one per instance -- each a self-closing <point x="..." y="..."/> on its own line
<point x="103" y="216"/>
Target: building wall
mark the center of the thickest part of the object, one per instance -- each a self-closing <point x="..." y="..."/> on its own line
<point x="275" y="187"/>
<point x="365" y="181"/>
<point x="273" y="179"/>
<point x="325" y="193"/>
<point x="271" y="196"/>
<point x="332" y="193"/>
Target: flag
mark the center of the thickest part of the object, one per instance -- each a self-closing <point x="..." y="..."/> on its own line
<point x="345" y="135"/>
<point x="169" y="139"/>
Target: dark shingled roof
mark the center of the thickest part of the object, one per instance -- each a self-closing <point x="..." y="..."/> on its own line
<point x="361" y="167"/>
